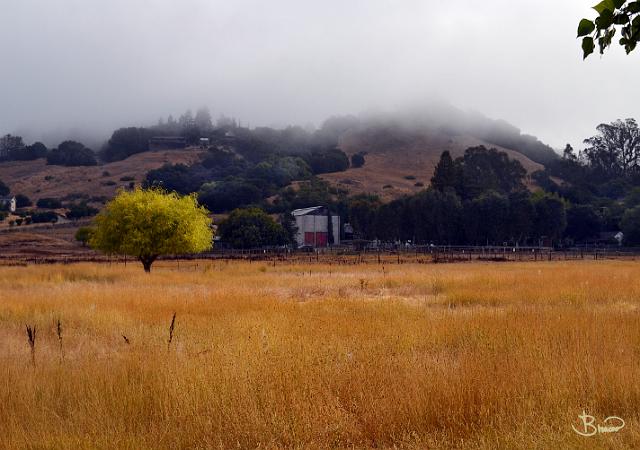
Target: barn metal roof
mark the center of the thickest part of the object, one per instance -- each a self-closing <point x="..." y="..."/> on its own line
<point x="305" y="211"/>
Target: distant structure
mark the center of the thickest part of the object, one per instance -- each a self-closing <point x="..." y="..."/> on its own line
<point x="204" y="142"/>
<point x="610" y="237"/>
<point x="348" y="231"/>
<point x="167" y="142"/>
<point x="229" y="137"/>
<point x="317" y="227"/>
<point x="8" y="204"/>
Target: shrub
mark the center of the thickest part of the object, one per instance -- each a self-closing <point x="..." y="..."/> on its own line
<point x="22" y="201"/>
<point x="44" y="217"/>
<point x="49" y="203"/>
<point x="357" y="160"/>
<point x="79" y="210"/>
<point x="76" y="196"/>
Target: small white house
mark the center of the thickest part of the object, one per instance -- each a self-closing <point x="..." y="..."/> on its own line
<point x="317" y="227"/>
<point x="8" y="204"/>
<point x="619" y="236"/>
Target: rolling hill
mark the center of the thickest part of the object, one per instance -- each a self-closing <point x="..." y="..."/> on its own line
<point x="36" y="179"/>
<point x="399" y="161"/>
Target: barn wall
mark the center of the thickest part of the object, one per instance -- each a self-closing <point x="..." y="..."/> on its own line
<point x="313" y="224"/>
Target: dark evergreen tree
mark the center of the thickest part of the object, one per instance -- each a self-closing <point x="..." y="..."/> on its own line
<point x="447" y="173"/>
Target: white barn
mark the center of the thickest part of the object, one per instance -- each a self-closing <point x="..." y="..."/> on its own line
<point x="316" y="227"/>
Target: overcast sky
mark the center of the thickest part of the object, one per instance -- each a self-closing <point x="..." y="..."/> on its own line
<point x="95" y="64"/>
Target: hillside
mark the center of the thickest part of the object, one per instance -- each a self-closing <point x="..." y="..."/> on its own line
<point x="398" y="162"/>
<point x="36" y="179"/>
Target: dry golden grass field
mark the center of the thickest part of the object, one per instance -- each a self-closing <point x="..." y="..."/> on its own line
<point x="476" y="355"/>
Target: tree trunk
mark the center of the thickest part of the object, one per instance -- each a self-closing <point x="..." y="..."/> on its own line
<point x="146" y="261"/>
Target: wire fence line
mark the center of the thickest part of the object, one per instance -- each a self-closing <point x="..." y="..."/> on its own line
<point x="348" y="256"/>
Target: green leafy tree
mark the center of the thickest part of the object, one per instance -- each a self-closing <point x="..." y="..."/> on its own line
<point x="228" y="194"/>
<point x="521" y="215"/>
<point x="486" y="170"/>
<point x="251" y="228"/>
<point x="583" y="222"/>
<point x="148" y="223"/>
<point x="632" y="199"/>
<point x="486" y="218"/>
<point x="613" y="15"/>
<point x="630" y="226"/>
<point x="71" y="153"/>
<point x="29" y="152"/>
<point x="615" y="151"/>
<point x="10" y="146"/>
<point x="180" y="178"/>
<point x="393" y="222"/>
<point x="551" y="215"/>
<point x="436" y="216"/>
<point x="83" y="235"/>
<point x="125" y="142"/>
<point x="288" y="223"/>
<point x="327" y="161"/>
<point x="34" y="151"/>
<point x="362" y="214"/>
<point x="315" y="191"/>
<point x="202" y="120"/>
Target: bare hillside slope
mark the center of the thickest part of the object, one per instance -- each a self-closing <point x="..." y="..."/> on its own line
<point x="398" y="164"/>
<point x="36" y="179"/>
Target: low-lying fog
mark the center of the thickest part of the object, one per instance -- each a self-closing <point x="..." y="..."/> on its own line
<point x="84" y="68"/>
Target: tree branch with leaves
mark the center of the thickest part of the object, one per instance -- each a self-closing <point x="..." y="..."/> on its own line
<point x="613" y="15"/>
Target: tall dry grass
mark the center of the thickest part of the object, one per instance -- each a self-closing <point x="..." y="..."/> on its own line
<point x="436" y="356"/>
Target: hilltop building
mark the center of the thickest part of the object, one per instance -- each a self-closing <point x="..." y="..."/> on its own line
<point x="317" y="227"/>
<point x="167" y="142"/>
